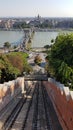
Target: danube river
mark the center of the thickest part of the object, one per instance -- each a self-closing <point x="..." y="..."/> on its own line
<point x="41" y="39"/>
<point x="14" y="37"/>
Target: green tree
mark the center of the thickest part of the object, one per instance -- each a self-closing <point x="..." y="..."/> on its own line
<point x="46" y="46"/>
<point x="52" y="40"/>
<point x="7" y="71"/>
<point x="61" y="58"/>
<point x="7" y="45"/>
<point x="37" y="59"/>
<point x="12" y="65"/>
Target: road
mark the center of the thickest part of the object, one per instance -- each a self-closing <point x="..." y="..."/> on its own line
<point x="37" y="68"/>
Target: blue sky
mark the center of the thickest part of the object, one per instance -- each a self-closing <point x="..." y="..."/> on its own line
<point x="45" y="8"/>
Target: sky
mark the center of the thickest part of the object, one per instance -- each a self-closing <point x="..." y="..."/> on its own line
<point x="31" y="8"/>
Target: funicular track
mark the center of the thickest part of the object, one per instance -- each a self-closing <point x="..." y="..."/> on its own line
<point x="32" y="111"/>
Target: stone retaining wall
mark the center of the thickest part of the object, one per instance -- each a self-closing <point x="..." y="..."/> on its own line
<point x="9" y="90"/>
<point x="63" y="102"/>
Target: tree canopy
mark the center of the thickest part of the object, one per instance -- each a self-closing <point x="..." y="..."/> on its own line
<point x="38" y="59"/>
<point x="12" y="65"/>
<point x="7" y="45"/>
<point x="61" y="58"/>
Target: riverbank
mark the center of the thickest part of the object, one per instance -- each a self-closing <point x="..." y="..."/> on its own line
<point x="12" y="29"/>
<point x="52" y="29"/>
<point x="37" y="29"/>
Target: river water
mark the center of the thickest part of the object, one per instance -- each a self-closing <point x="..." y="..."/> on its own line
<point x="41" y="39"/>
<point x="14" y="37"/>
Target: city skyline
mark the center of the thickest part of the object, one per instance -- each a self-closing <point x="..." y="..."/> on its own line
<point x="31" y="8"/>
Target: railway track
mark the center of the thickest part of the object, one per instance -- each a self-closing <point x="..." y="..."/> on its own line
<point x="12" y="110"/>
<point x="33" y="111"/>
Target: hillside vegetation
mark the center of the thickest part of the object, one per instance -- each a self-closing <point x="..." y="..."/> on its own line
<point x="60" y="59"/>
<point x="12" y="65"/>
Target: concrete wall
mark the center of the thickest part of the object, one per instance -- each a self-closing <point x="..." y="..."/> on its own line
<point x="9" y="90"/>
<point x="62" y="100"/>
